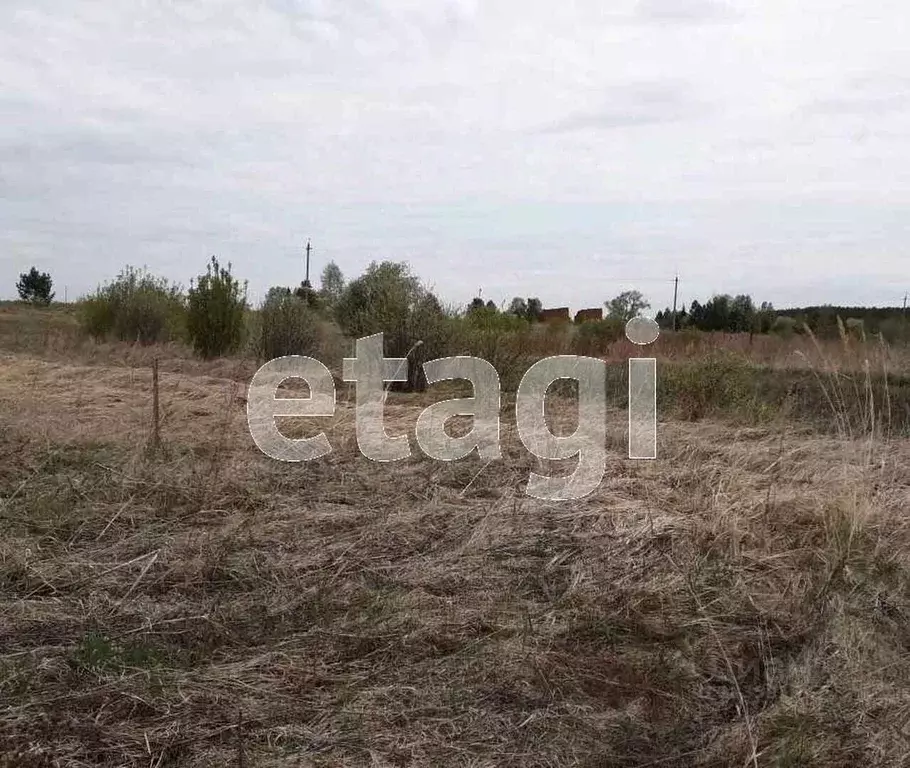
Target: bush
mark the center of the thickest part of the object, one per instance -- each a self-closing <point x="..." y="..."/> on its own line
<point x="382" y="299"/>
<point x="137" y="307"/>
<point x="593" y="338"/>
<point x="217" y="305"/>
<point x="784" y="326"/>
<point x="96" y="315"/>
<point x="287" y="326"/>
<point x="388" y="298"/>
<point x="504" y="340"/>
<point x="491" y="320"/>
<point x="721" y="383"/>
<point x="252" y="332"/>
<point x="895" y="330"/>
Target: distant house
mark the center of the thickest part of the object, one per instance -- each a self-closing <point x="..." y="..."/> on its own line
<point x="586" y="315"/>
<point x="557" y="315"/>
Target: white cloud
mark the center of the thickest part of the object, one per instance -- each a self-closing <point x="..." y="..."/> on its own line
<point x="727" y="140"/>
<point x="685" y="11"/>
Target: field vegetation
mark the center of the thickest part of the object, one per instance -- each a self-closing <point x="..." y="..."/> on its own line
<point x="742" y="600"/>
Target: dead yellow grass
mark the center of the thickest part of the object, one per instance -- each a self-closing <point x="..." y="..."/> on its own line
<point x="59" y="401"/>
<point x="743" y="600"/>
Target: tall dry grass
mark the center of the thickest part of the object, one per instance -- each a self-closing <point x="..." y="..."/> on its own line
<point x="743" y="600"/>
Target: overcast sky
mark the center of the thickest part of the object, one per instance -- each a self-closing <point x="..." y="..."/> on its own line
<point x="567" y="150"/>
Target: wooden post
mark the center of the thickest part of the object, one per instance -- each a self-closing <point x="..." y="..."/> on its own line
<point x="417" y="377"/>
<point x="156" y="433"/>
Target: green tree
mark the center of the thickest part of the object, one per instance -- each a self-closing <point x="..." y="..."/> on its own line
<point x="518" y="307"/>
<point x="627" y="305"/>
<point x="765" y="317"/>
<point x="389" y="298"/>
<point x="276" y="292"/>
<point x="476" y="304"/>
<point x="35" y="287"/>
<point x="535" y="308"/>
<point x="331" y="284"/>
<point x="742" y="314"/>
<point x="715" y="315"/>
<point x="216" y="309"/>
<point x="682" y="318"/>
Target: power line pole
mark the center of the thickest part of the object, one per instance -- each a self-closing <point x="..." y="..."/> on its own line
<point x="306" y="282"/>
<point x="675" y="287"/>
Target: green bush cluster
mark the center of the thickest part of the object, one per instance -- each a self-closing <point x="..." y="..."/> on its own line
<point x="721" y="382"/>
<point x="593" y="338"/>
<point x="784" y="326"/>
<point x="140" y="307"/>
<point x="216" y="311"/>
<point x="135" y="307"/>
<point x="504" y="340"/>
<point x="390" y="299"/>
<point x="287" y="325"/>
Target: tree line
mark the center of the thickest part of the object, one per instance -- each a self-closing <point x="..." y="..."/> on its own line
<point x="139" y="306"/>
<point x="740" y="314"/>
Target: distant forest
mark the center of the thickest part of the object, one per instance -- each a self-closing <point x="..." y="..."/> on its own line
<point x="740" y="314"/>
<point x="891" y="322"/>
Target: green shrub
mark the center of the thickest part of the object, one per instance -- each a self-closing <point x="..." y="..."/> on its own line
<point x="491" y="320"/>
<point x="720" y="383"/>
<point x="96" y="315"/>
<point x="216" y="309"/>
<point x="383" y="299"/>
<point x="252" y="332"/>
<point x="783" y="326"/>
<point x="389" y="298"/>
<point x="287" y="326"/>
<point x="136" y="306"/>
<point x="504" y="340"/>
<point x="593" y="338"/>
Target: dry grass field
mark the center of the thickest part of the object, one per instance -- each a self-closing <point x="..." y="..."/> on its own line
<point x="743" y="600"/>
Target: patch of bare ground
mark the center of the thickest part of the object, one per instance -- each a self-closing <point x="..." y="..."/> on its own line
<point x="742" y="600"/>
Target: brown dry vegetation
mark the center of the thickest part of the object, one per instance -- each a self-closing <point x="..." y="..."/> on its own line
<point x="742" y="600"/>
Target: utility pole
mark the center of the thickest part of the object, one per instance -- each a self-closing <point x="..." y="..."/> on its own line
<point x="306" y="282"/>
<point x="675" y="287"/>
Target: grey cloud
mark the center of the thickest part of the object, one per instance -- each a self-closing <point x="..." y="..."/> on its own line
<point x="93" y="149"/>
<point x="164" y="133"/>
<point x="635" y="105"/>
